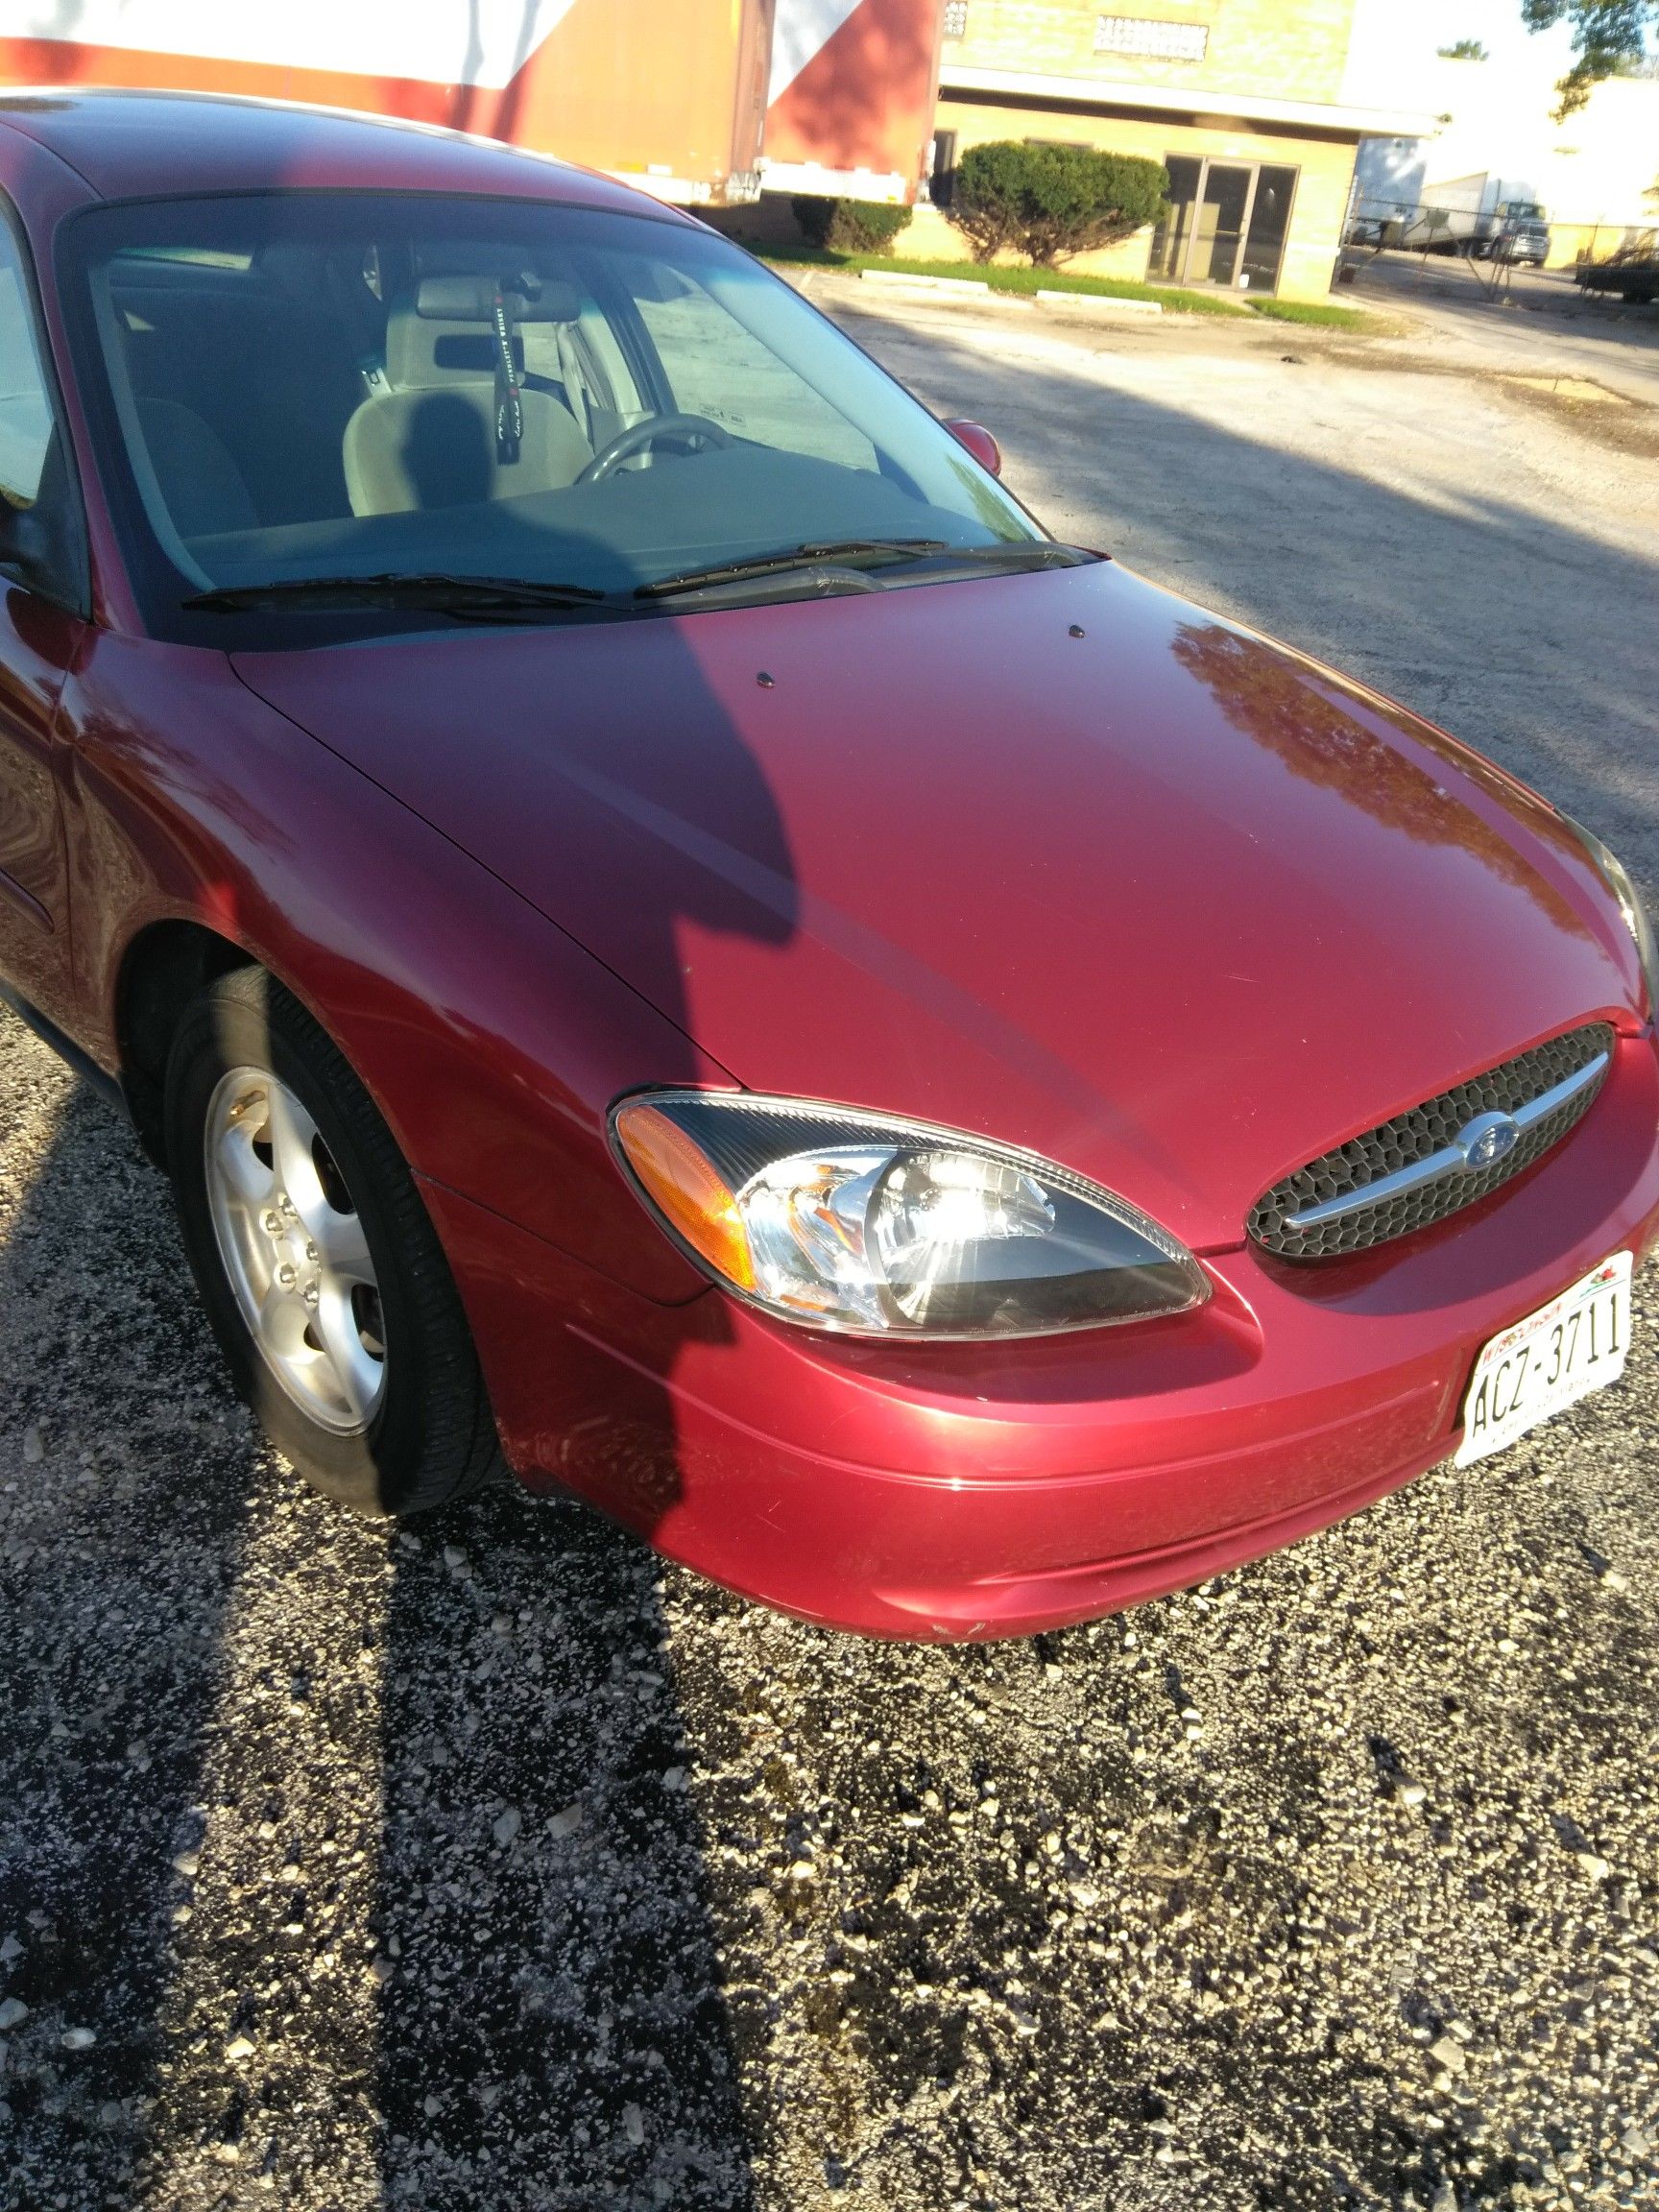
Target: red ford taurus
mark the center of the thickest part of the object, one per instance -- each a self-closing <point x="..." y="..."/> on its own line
<point x="660" y="924"/>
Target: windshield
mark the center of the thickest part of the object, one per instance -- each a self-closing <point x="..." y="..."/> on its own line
<point x="308" y="387"/>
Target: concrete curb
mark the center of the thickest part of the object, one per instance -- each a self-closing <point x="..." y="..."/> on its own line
<point x="899" y="277"/>
<point x="1098" y="304"/>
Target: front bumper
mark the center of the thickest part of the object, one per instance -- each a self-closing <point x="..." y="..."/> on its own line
<point x="982" y="1490"/>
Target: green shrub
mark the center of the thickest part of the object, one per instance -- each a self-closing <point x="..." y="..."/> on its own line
<point x="1050" y="201"/>
<point x="849" y="226"/>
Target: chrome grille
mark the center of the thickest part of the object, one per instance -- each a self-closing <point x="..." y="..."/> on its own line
<point x="1329" y="1193"/>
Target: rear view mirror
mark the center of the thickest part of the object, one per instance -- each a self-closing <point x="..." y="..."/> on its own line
<point x="979" y="442"/>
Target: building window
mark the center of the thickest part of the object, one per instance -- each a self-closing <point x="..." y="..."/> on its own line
<point x="1140" y="34"/>
<point x="955" y="19"/>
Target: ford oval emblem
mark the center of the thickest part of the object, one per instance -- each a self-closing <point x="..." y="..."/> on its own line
<point x="1486" y="1139"/>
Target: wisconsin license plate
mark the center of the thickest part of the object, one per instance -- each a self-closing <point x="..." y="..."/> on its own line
<point x="1555" y="1356"/>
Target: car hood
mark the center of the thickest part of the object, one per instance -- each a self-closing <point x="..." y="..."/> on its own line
<point x="1053" y="857"/>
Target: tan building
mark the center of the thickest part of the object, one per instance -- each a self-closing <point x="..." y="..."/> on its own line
<point x="1239" y="98"/>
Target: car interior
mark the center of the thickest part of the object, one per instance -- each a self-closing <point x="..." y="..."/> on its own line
<point x="311" y="402"/>
<point x="402" y="448"/>
<point x="274" y="393"/>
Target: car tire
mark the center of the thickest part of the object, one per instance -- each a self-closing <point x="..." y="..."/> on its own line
<point x="316" y="1259"/>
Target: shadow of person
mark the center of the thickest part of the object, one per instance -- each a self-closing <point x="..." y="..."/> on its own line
<point x="125" y="1472"/>
<point x="552" y="2028"/>
<point x="445" y="452"/>
<point x="255" y="1748"/>
<point x="329" y="1845"/>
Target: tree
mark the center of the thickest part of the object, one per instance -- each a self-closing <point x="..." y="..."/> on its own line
<point x="849" y="226"/>
<point x="1609" y="36"/>
<point x="1465" y="49"/>
<point x="1050" y="201"/>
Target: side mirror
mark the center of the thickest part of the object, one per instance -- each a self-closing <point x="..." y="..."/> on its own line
<point x="979" y="442"/>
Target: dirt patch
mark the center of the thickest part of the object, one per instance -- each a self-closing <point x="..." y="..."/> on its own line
<point x="1578" y="388"/>
<point x="1578" y="404"/>
<point x="1609" y="418"/>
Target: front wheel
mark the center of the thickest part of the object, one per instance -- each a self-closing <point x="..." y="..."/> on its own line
<point x="321" y="1273"/>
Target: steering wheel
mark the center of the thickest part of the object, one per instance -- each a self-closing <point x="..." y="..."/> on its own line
<point x="696" y="429"/>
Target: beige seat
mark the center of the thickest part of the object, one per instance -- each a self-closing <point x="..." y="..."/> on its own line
<point x="431" y="439"/>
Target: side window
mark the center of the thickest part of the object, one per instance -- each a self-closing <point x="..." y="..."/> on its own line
<point x="26" y="420"/>
<point x="716" y="368"/>
<point x="42" y="537"/>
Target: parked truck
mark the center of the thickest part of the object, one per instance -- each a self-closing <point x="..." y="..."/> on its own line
<point x="1480" y="215"/>
<point x="702" y="102"/>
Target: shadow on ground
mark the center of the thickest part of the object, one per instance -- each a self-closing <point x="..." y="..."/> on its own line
<point x="1471" y="295"/>
<point x="348" y="1865"/>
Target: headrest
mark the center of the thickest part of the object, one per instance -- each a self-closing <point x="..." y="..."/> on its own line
<point x="472" y="300"/>
<point x="441" y="333"/>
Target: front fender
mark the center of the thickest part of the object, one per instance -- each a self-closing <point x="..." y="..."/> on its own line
<point x="490" y="1040"/>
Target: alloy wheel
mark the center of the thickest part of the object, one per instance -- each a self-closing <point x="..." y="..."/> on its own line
<point x="293" y="1250"/>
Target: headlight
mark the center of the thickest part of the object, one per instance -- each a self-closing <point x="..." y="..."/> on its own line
<point x="1617" y="880"/>
<point x="845" y="1221"/>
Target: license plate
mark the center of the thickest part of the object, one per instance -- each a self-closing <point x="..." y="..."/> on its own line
<point x="1552" y="1360"/>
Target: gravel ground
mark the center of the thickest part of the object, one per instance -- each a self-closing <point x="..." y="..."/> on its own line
<point x="1533" y="318"/>
<point x="495" y="1864"/>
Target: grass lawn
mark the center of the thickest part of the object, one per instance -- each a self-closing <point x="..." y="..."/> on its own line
<point x="1327" y="313"/>
<point x="1032" y="281"/>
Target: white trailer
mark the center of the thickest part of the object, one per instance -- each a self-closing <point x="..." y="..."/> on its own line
<point x="1492" y="217"/>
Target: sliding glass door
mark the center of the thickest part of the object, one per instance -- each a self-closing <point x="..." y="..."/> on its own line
<point x="1225" y="224"/>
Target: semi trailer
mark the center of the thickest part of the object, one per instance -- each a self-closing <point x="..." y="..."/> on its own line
<point x="701" y="102"/>
<point x="1483" y="215"/>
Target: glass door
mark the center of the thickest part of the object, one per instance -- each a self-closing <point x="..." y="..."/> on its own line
<point x="1169" y="240"/>
<point x="1269" y="222"/>
<point x="1223" y="215"/>
<point x="1224" y="223"/>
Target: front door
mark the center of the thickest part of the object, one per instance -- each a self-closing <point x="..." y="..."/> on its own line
<point x="1218" y="233"/>
<point x="1224" y="223"/>
<point x="38" y="637"/>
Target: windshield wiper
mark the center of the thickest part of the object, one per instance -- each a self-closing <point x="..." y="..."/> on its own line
<point x="841" y="552"/>
<point x="443" y="594"/>
<point x="863" y="552"/>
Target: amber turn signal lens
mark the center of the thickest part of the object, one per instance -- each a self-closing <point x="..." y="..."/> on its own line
<point x="687" y="1191"/>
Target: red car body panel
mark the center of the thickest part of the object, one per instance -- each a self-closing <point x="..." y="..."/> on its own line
<point x="1122" y="900"/>
<point x="957" y="1491"/>
<point x="491" y="1042"/>
<point x="1160" y="900"/>
<point x="138" y="145"/>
